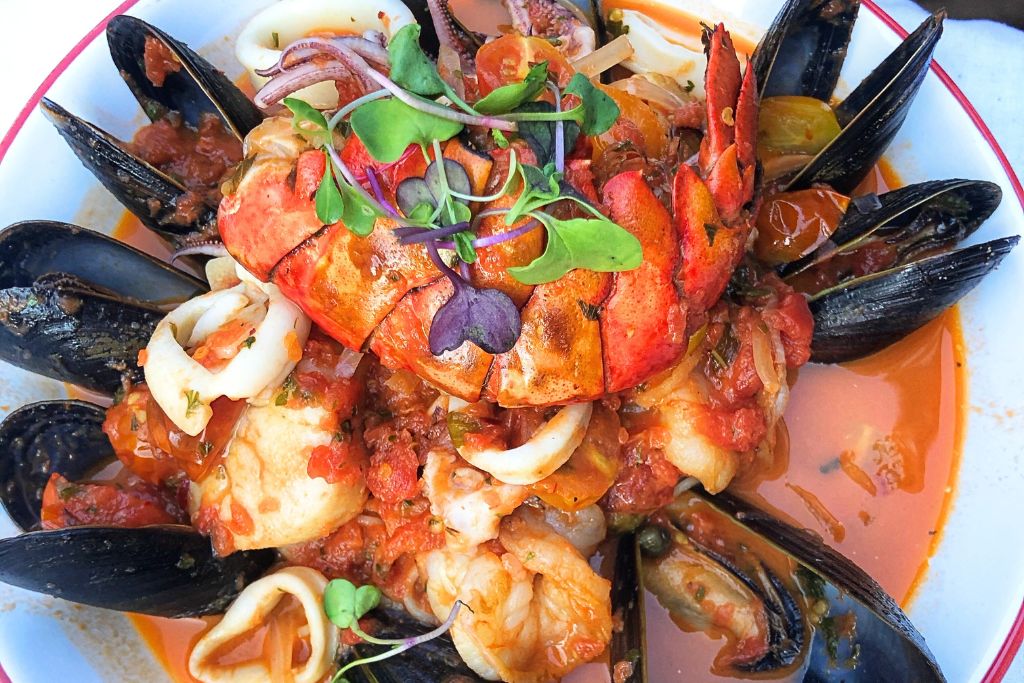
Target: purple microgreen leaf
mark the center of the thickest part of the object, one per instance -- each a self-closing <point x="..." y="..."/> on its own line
<point x="485" y="317"/>
<point x="412" y="193"/>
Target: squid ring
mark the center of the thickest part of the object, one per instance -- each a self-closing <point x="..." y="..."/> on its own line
<point x="184" y="388"/>
<point x="539" y="457"/>
<point x="252" y="607"/>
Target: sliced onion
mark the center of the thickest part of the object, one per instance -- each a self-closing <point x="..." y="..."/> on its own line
<point x="764" y="361"/>
<point x="605" y="57"/>
<point x="250" y="610"/>
<point x="539" y="457"/>
<point x="642" y="87"/>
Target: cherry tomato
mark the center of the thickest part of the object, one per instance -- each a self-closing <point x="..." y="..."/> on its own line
<point x="509" y="58"/>
<point x="792" y="224"/>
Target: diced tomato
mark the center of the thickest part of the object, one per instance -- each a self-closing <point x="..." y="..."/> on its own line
<point x="394" y="469"/>
<point x="222" y="344"/>
<point x="132" y="503"/>
<point x="740" y="430"/>
<point x="340" y="462"/>
<point x="509" y="59"/>
<point x="152" y="447"/>
<point x="793" y="319"/>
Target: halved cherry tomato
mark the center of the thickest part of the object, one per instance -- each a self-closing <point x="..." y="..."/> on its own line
<point x="791" y="224"/>
<point x="509" y="58"/>
<point x="638" y="123"/>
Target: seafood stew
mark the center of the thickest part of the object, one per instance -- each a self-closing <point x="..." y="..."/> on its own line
<point x="676" y="402"/>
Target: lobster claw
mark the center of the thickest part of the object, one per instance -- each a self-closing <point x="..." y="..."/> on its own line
<point x="708" y="203"/>
<point x="728" y="156"/>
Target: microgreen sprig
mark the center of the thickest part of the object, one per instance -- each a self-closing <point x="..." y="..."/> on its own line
<point x="345" y="605"/>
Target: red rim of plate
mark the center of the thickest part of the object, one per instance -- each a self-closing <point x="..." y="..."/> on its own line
<point x="1012" y="644"/>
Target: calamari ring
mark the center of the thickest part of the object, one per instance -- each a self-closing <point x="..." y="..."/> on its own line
<point x="184" y="388"/>
<point x="250" y="610"/>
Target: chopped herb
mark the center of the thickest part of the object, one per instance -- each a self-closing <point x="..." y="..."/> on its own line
<point x="205" y="448"/>
<point x="719" y="361"/>
<point x="192" y="397"/>
<point x="119" y="395"/>
<point x="185" y="562"/>
<point x="830" y="466"/>
<point x="700" y="594"/>
<point x="530" y="556"/>
<point x="460" y="424"/>
<point x="276" y="38"/>
<point x="135" y="423"/>
<point x="249" y="341"/>
<point x="690" y="85"/>
<point x="68" y="492"/>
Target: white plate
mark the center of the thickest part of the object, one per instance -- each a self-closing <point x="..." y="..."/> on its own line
<point x="969" y="608"/>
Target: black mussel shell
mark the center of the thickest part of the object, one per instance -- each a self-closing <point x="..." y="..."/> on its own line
<point x="67" y="329"/>
<point x="147" y="192"/>
<point x="803" y="51"/>
<point x="165" y="571"/>
<point x="873" y="113"/>
<point x="891" y="650"/>
<point x="434" y="661"/>
<point x="921" y="219"/>
<point x="197" y="88"/>
<point x="31" y="249"/>
<point x="42" y="438"/>
<point x="865" y="315"/>
<point x="629" y="643"/>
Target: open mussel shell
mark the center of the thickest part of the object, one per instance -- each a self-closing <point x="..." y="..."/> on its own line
<point x="804" y="593"/>
<point x="920" y="220"/>
<point x="165" y="571"/>
<point x="803" y="51"/>
<point x="891" y="649"/>
<point x="64" y="328"/>
<point x="141" y="188"/>
<point x="78" y="306"/>
<point x="31" y="249"/>
<point x="865" y="315"/>
<point x="873" y="113"/>
<point x="195" y="89"/>
<point x="433" y="661"/>
<point x="42" y="438"/>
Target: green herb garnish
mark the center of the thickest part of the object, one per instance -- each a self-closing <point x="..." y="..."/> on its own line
<point x="193" y="402"/>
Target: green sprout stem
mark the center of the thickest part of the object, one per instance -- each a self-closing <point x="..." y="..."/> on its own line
<point x="340" y="115"/>
<point x="399" y="645"/>
<point x="430" y="107"/>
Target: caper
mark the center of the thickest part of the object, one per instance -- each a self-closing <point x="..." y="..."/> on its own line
<point x="654" y="540"/>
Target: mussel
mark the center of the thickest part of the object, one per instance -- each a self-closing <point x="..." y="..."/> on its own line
<point x="433" y="661"/>
<point x="802" y="54"/>
<point x="168" y="571"/>
<point x="863" y="302"/>
<point x="795" y="609"/>
<point x="77" y="306"/>
<point x="190" y="87"/>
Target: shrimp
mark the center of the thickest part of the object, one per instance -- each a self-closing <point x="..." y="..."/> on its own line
<point x="469" y="501"/>
<point x="537" y="609"/>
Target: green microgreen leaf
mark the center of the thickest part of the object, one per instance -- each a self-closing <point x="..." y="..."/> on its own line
<point x="387" y="127"/>
<point x="330" y="205"/>
<point x="422" y="213"/>
<point x="599" y="110"/>
<point x="464" y="247"/>
<point x="359" y="215"/>
<point x="591" y="243"/>
<point x="540" y="188"/>
<point x="499" y="138"/>
<point x="506" y="98"/>
<point x="345" y="604"/>
<point x="308" y="122"/>
<point x="410" y="66"/>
